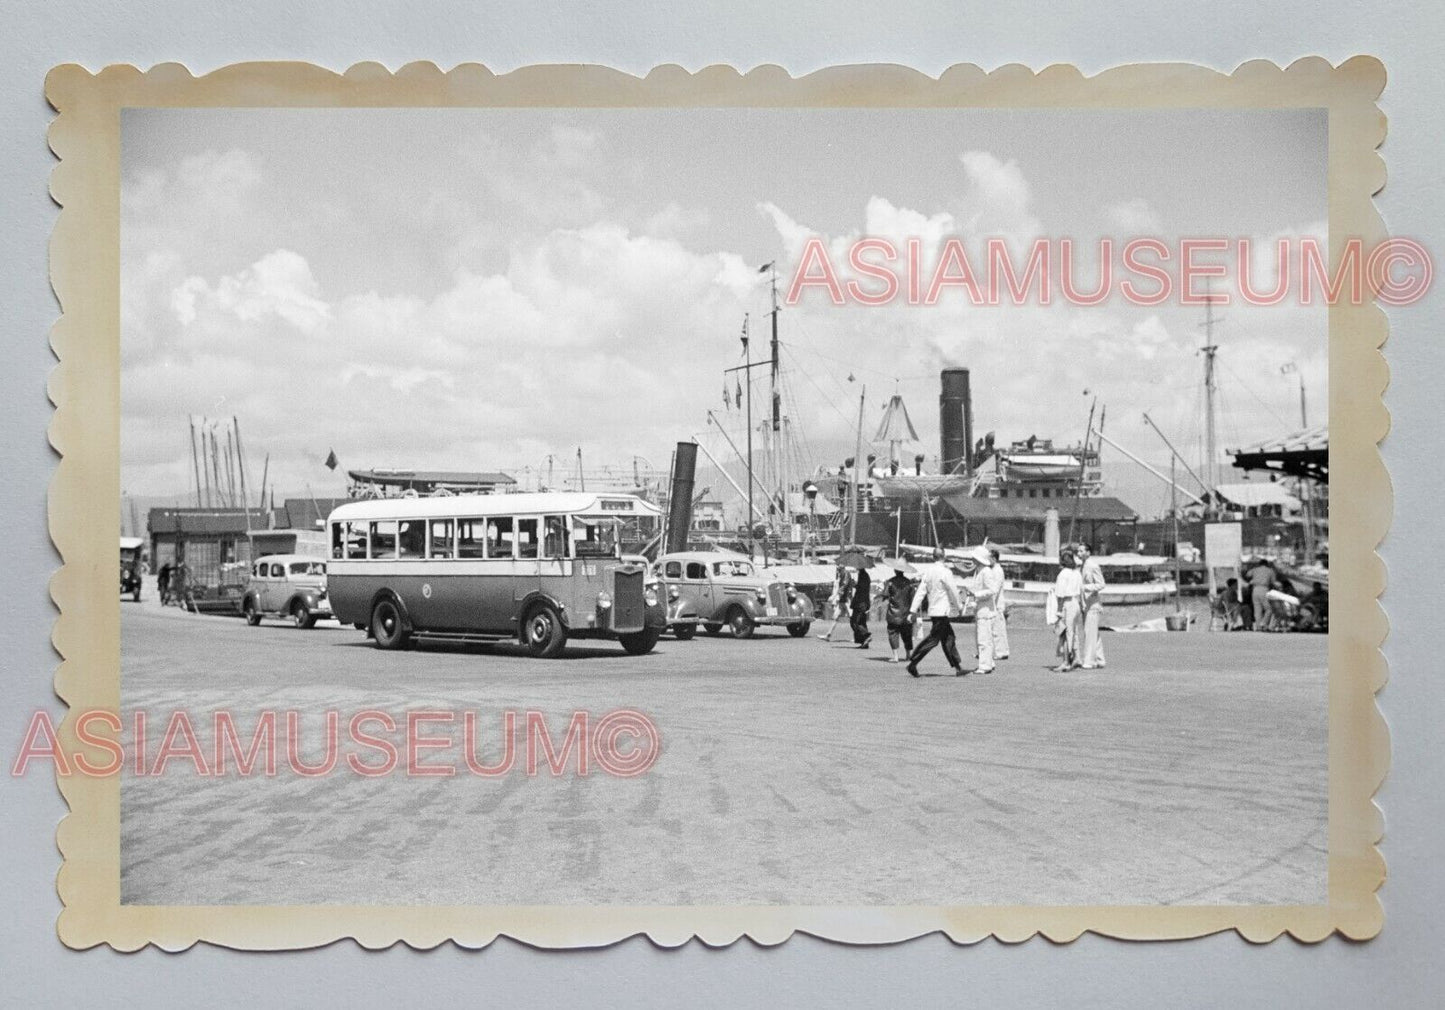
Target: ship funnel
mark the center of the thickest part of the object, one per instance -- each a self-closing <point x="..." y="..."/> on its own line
<point x="955" y="421"/>
<point x="679" y="507"/>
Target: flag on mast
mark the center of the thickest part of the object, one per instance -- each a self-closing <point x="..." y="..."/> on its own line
<point x="331" y="460"/>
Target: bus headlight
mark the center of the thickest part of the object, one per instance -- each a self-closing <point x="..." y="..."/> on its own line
<point x="604" y="600"/>
<point x="649" y="596"/>
<point x="673" y="593"/>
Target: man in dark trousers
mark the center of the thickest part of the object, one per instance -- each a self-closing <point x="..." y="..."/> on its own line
<point x="937" y="596"/>
<point x="862" y="602"/>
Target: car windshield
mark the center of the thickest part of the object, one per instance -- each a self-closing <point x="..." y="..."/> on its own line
<point x="735" y="569"/>
<point x="308" y="568"/>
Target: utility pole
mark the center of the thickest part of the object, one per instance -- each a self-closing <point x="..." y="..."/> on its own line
<point x="581" y="479"/>
<point x="853" y="490"/>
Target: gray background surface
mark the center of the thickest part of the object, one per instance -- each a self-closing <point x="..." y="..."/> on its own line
<point x="1399" y="968"/>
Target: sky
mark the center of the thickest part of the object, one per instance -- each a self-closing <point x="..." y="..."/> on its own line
<point x="480" y="289"/>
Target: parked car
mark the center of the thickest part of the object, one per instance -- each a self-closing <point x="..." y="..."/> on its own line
<point x="130" y="566"/>
<point x="287" y="586"/>
<point x="715" y="589"/>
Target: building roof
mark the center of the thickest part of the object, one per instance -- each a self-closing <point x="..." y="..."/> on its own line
<point x="1256" y="493"/>
<point x="621" y="506"/>
<point x="1302" y="453"/>
<point x="204" y="521"/>
<point x="1089" y="508"/>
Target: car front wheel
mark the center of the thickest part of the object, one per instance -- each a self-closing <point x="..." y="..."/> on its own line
<point x="741" y="623"/>
<point x="253" y="616"/>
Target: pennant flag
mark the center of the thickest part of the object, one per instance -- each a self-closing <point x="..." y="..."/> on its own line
<point x="331" y="460"/>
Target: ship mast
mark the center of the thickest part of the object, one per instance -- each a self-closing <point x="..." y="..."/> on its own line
<point x="1211" y="388"/>
<point x="779" y="462"/>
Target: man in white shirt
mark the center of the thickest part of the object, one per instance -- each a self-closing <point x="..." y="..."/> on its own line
<point x="984" y="585"/>
<point x="1091" y="605"/>
<point x="1000" y="612"/>
<point x="938" y="596"/>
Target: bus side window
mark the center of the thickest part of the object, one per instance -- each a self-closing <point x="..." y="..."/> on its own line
<point x="526" y="538"/>
<point x="355" y="534"/>
<point x="338" y="540"/>
<point x="383" y="539"/>
<point x="673" y="570"/>
<point x="411" y="538"/>
<point x="471" y="538"/>
<point x="697" y="570"/>
<point x="442" y="540"/>
<point x="500" y="537"/>
<point x="555" y="540"/>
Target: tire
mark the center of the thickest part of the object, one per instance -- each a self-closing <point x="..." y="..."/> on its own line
<point x="799" y="629"/>
<point x="249" y="611"/>
<point x="642" y="642"/>
<point x="682" y="632"/>
<point x="301" y="615"/>
<point x="741" y="623"/>
<point x="712" y="629"/>
<point x="543" y="633"/>
<point x="388" y="628"/>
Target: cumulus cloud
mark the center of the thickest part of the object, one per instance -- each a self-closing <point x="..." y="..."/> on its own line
<point x="279" y="284"/>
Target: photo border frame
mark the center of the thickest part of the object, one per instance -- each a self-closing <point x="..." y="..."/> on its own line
<point x="85" y="389"/>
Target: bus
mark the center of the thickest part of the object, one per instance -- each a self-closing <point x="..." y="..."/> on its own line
<point x="535" y="568"/>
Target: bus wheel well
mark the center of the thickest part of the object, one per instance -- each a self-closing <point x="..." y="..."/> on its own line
<point x="384" y="594"/>
<point x="530" y="602"/>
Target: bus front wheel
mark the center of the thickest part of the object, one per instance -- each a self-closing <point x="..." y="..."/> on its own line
<point x="387" y="626"/>
<point x="543" y="632"/>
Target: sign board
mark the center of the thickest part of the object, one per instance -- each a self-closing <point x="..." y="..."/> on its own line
<point x="1223" y="546"/>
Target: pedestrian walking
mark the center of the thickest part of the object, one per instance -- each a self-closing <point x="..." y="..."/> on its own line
<point x="1000" y="612"/>
<point x="842" y="593"/>
<point x="1091" y="603"/>
<point x="898" y="592"/>
<point x="984" y="585"/>
<point x="938" y="597"/>
<point x="1067" y="586"/>
<point x="862" y="602"/>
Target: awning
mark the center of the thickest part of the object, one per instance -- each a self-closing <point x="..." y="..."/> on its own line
<point x="1253" y="495"/>
<point x="1303" y="453"/>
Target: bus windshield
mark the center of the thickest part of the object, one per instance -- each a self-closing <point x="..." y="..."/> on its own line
<point x="594" y="537"/>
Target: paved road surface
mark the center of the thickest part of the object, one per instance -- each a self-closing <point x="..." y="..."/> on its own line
<point x="1191" y="771"/>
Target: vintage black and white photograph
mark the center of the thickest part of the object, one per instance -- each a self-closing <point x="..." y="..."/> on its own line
<point x="723" y="507"/>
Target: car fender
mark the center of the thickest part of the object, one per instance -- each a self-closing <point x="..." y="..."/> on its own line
<point x="306" y="596"/>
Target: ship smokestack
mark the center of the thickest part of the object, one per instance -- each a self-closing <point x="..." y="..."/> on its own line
<point x="679" y="506"/>
<point x="955" y="421"/>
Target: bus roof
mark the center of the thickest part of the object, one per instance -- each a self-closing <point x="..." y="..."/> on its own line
<point x="522" y="503"/>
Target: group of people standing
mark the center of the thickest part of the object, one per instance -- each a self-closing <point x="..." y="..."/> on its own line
<point x="1074" y="609"/>
<point x="931" y="592"/>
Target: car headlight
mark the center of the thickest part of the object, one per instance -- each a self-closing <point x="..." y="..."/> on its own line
<point x="762" y="596"/>
<point x="792" y="593"/>
<point x="649" y="596"/>
<point x="604" y="600"/>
